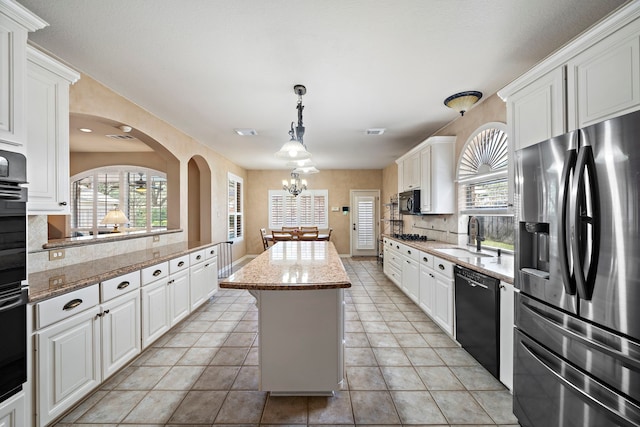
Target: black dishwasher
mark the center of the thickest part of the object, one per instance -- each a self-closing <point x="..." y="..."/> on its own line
<point x="478" y="316"/>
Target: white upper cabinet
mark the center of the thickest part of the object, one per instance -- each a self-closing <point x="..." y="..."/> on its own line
<point x="15" y="23"/>
<point x="429" y="167"/>
<point x="411" y="172"/>
<point x="48" y="133"/>
<point x="536" y="112"/>
<point x="604" y="80"/>
<point x="437" y="192"/>
<point x="599" y="71"/>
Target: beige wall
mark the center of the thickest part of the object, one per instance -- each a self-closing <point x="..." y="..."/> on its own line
<point x="339" y="182"/>
<point x="449" y="228"/>
<point x="174" y="148"/>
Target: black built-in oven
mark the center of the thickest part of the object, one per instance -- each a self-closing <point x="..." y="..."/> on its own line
<point x="13" y="273"/>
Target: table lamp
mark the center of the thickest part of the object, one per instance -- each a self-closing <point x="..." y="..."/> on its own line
<point x="115" y="217"/>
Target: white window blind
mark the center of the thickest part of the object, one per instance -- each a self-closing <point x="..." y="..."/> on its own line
<point x="309" y="208"/>
<point x="482" y="171"/>
<point x="366" y="225"/>
<point x="235" y="207"/>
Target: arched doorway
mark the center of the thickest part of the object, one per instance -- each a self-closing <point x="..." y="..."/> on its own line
<point x="199" y="200"/>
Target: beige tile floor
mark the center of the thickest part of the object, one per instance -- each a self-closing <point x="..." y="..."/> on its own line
<point x="401" y="370"/>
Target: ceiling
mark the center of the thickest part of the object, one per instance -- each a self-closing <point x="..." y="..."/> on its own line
<point x="209" y="66"/>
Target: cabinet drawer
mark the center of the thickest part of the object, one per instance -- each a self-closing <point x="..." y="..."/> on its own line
<point x="67" y="305"/>
<point x="443" y="267"/>
<point x="112" y="288"/>
<point x="409" y="252"/>
<point x="210" y="252"/>
<point x="426" y="259"/>
<point x="155" y="272"/>
<point x="197" y="256"/>
<point x="178" y="264"/>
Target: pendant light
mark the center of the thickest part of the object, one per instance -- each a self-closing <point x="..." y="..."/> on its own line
<point x="295" y="149"/>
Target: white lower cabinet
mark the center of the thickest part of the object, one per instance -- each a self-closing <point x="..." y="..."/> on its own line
<point x="178" y="297"/>
<point x="203" y="276"/>
<point x="507" y="301"/>
<point x="443" y="302"/>
<point x="68" y="363"/>
<point x="427" y="279"/>
<point x="155" y="318"/>
<point x="13" y="411"/>
<point x="120" y="321"/>
<point x="211" y="268"/>
<point x="411" y="278"/>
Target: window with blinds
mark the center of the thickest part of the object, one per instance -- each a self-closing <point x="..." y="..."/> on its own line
<point x="308" y="209"/>
<point x="235" y="207"/>
<point x="140" y="193"/>
<point x="482" y="172"/>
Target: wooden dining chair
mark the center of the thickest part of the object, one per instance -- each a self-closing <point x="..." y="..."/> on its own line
<point x="263" y="235"/>
<point x="309" y="228"/>
<point x="279" y="236"/>
<point x="327" y="237"/>
<point x="308" y="235"/>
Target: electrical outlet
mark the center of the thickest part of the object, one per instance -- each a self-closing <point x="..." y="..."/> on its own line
<point x="56" y="254"/>
<point x="56" y="281"/>
<point x="156" y="238"/>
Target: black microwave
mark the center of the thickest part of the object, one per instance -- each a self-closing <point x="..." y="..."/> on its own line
<point x="409" y="202"/>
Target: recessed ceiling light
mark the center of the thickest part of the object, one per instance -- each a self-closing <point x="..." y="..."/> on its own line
<point x="374" y="131"/>
<point x="85" y="130"/>
<point x="246" y="132"/>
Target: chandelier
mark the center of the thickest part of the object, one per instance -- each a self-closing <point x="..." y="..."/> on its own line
<point x="296" y="185"/>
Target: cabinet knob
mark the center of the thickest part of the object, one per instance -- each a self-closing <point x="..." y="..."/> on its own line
<point x="63" y="203"/>
<point x="409" y="252"/>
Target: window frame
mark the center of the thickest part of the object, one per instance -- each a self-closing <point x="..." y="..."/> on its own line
<point x="123" y="197"/>
<point x="298" y="213"/>
<point x="500" y="175"/>
<point x="237" y="210"/>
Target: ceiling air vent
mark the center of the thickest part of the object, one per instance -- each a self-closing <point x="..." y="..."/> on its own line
<point x="246" y="132"/>
<point x="374" y="131"/>
<point x="121" y="137"/>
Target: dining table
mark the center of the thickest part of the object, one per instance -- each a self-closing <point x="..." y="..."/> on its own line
<point x="294" y="236"/>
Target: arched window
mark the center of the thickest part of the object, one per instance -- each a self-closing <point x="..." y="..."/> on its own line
<point x="140" y="193"/>
<point x="483" y="186"/>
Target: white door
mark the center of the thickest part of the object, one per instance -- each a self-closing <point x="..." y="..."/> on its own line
<point x="364" y="222"/>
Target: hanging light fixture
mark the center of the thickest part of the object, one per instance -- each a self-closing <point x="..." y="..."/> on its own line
<point x="304" y="167"/>
<point x="296" y="185"/>
<point x="295" y="149"/>
<point x="462" y="101"/>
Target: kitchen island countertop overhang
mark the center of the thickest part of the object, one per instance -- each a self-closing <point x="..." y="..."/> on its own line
<point x="292" y="265"/>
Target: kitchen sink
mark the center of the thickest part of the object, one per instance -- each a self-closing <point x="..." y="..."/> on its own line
<point x="464" y="253"/>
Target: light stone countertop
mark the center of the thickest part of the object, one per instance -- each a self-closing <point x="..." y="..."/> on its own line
<point x="292" y="265"/>
<point x="499" y="267"/>
<point x="50" y="283"/>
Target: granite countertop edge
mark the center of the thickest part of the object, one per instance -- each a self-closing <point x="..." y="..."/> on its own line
<point x="284" y="287"/>
<point x="92" y="279"/>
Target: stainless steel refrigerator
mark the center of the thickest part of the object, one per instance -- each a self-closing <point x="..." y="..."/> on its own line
<point x="577" y="336"/>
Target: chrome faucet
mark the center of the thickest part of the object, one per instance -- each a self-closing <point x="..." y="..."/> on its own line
<point x="474" y="232"/>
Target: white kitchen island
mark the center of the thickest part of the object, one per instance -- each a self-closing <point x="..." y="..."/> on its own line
<point x="299" y="288"/>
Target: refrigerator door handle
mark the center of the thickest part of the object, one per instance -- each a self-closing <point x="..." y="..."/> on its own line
<point x="585" y="167"/>
<point x="563" y="249"/>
